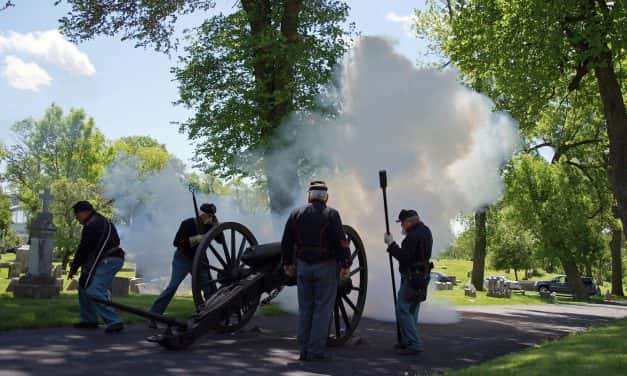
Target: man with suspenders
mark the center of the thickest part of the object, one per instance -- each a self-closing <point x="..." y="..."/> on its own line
<point x="315" y="249"/>
<point x="100" y="257"/>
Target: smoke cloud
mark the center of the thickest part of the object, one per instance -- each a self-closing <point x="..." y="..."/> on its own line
<point x="440" y="142"/>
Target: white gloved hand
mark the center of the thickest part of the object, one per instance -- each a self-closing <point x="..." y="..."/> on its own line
<point x="388" y="239"/>
<point x="195" y="240"/>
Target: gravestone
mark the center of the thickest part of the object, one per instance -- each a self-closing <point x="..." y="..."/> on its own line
<point x="119" y="287"/>
<point x="133" y="285"/>
<point x="498" y="288"/>
<point x="470" y="291"/>
<point x="39" y="281"/>
<point x="21" y="259"/>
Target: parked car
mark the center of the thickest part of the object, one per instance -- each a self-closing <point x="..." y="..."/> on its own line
<point x="560" y="285"/>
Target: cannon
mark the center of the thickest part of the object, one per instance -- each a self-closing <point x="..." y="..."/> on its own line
<point x="240" y="272"/>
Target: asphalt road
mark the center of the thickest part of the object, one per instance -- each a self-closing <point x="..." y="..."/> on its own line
<point x="268" y="346"/>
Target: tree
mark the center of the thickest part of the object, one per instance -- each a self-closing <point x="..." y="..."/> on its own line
<point x="152" y="156"/>
<point x="557" y="208"/>
<point x="616" y="245"/>
<point x="510" y="245"/>
<point x="137" y="158"/>
<point x="54" y="147"/>
<point x="5" y="212"/>
<point x="537" y="60"/>
<point x="479" y="252"/>
<point x="66" y="153"/>
<point x="532" y="55"/>
<point x="66" y="193"/>
<point x="243" y="74"/>
<point x="8" y="4"/>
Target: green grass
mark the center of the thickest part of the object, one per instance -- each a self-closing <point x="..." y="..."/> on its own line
<point x="457" y="297"/>
<point x="63" y="311"/>
<point x="7" y="257"/>
<point x="461" y="268"/>
<point x="602" y="350"/>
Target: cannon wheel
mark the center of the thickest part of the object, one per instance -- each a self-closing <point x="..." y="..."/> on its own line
<point x="223" y="263"/>
<point x="351" y="293"/>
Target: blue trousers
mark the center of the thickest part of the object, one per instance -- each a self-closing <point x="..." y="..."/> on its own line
<point x="407" y="315"/>
<point x="100" y="287"/>
<point x="181" y="267"/>
<point x="317" y="289"/>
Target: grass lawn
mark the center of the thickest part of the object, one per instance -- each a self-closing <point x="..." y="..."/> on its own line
<point x="457" y="297"/>
<point x="461" y="268"/>
<point x="602" y="350"/>
<point x="63" y="311"/>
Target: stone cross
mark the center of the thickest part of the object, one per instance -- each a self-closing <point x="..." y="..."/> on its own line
<point x="46" y="197"/>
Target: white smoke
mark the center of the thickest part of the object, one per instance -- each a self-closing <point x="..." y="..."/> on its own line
<point x="439" y="141"/>
<point x="152" y="207"/>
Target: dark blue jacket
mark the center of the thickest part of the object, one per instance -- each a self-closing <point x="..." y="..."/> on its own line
<point x="191" y="227"/>
<point x="99" y="240"/>
<point x="314" y="234"/>
<point x="415" y="249"/>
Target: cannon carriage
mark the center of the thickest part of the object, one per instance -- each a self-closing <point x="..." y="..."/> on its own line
<point x="240" y="272"/>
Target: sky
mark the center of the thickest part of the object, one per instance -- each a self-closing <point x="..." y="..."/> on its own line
<point x="127" y="90"/>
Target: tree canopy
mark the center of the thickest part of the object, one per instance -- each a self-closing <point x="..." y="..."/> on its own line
<point x="242" y="73"/>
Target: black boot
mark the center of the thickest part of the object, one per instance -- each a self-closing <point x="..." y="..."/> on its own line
<point x="114" y="328"/>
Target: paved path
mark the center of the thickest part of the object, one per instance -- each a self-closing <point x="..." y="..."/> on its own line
<point x="269" y="346"/>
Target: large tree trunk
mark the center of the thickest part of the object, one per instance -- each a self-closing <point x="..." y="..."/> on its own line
<point x="616" y="118"/>
<point x="617" y="262"/>
<point x="273" y="71"/>
<point x="574" y="279"/>
<point x="478" y="259"/>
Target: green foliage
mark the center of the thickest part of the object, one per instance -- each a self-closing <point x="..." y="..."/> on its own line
<point x="151" y="155"/>
<point x="5" y="212"/>
<point x="56" y="146"/>
<point x="510" y="245"/>
<point x="464" y="244"/>
<point x="66" y="193"/>
<point x="10" y="239"/>
<point x="149" y="23"/>
<point x="525" y="54"/>
<point x="65" y="153"/>
<point x="243" y="73"/>
<point x="553" y="66"/>
<point x="220" y="79"/>
<point x="556" y="205"/>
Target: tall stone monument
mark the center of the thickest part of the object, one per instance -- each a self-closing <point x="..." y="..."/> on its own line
<point x="39" y="281"/>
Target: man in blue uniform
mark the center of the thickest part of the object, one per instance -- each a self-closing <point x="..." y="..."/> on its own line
<point x="314" y="247"/>
<point x="413" y="257"/>
<point x="186" y="241"/>
<point x="99" y="257"/>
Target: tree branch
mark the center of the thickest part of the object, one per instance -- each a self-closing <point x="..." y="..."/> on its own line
<point x="582" y="169"/>
<point x="7" y="5"/>
<point x="539" y="146"/>
<point x="582" y="70"/>
<point x="561" y="150"/>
